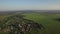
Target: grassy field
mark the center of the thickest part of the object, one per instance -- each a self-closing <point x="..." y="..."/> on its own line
<point x="52" y="26"/>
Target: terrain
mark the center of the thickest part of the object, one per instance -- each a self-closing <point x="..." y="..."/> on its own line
<point x="47" y="19"/>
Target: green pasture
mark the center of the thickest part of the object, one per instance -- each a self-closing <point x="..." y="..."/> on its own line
<point x="52" y="26"/>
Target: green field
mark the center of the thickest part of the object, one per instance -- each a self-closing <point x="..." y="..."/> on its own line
<point x="51" y="26"/>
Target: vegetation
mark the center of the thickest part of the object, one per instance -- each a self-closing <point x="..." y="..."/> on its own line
<point x="39" y="24"/>
<point x="52" y="26"/>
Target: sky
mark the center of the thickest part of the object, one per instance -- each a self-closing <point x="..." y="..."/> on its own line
<point x="29" y="5"/>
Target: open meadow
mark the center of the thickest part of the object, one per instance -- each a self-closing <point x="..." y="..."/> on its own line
<point x="51" y="25"/>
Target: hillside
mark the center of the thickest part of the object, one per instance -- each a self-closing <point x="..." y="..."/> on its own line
<point x="47" y="20"/>
<point x="52" y="26"/>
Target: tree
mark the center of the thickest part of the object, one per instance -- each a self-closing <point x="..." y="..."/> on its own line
<point x="18" y="24"/>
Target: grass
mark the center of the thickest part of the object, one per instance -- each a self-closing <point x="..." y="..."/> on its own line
<point x="52" y="27"/>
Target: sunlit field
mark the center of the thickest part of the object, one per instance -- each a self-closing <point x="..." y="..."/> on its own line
<point x="51" y="25"/>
